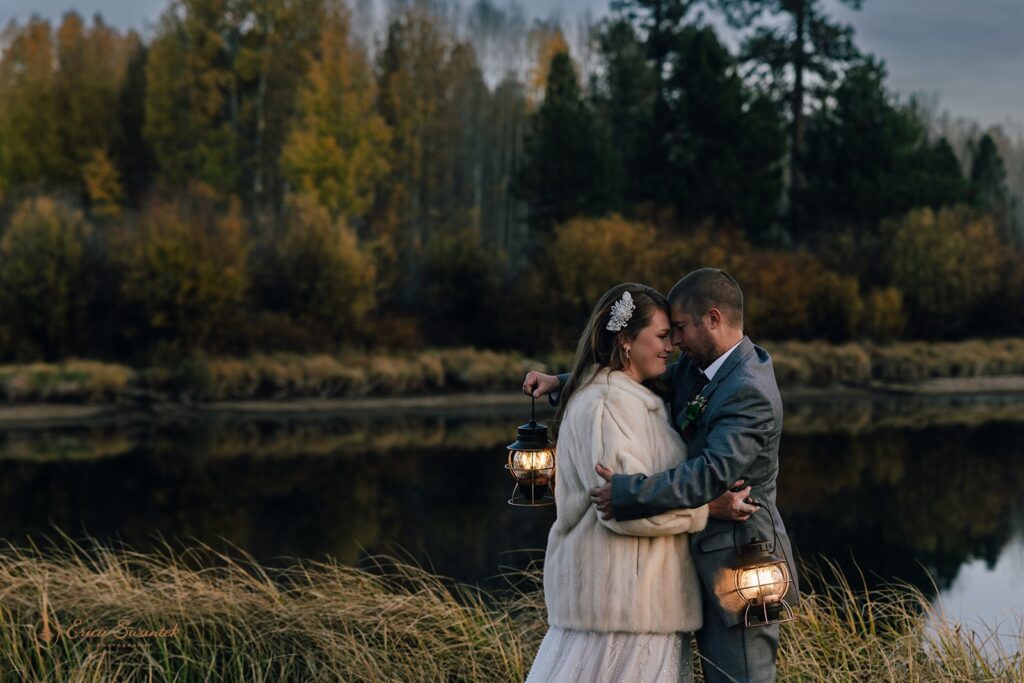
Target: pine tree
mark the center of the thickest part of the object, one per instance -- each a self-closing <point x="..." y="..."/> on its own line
<point x="796" y="40"/>
<point x="568" y="167"/>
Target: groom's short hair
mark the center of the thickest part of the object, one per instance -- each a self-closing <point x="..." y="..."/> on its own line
<point x="708" y="288"/>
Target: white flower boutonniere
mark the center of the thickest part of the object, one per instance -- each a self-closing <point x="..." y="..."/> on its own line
<point x="693" y="411"/>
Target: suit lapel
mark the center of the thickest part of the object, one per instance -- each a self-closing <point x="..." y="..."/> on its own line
<point x="745" y="348"/>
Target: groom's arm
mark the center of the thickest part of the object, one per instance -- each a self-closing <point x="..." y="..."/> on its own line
<point x="564" y="377"/>
<point x="741" y="431"/>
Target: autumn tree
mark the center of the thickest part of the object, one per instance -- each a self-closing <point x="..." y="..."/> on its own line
<point x="31" y="149"/>
<point x="184" y="274"/>
<point x="44" y="280"/>
<point x="337" y="148"/>
<point x="221" y="84"/>
<point x="314" y="271"/>
<point x="946" y="263"/>
<point x="411" y="99"/>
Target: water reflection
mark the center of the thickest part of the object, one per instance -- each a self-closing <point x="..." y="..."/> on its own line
<point x="905" y="487"/>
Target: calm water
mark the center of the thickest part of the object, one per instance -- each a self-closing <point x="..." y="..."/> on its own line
<point x="916" y="490"/>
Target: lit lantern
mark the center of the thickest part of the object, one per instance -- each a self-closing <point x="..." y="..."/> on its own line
<point x="763" y="580"/>
<point x="531" y="462"/>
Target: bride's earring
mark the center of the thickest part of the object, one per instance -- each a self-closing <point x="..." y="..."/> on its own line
<point x="627" y="352"/>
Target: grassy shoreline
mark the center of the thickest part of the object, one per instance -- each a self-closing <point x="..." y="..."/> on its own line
<point x="799" y="366"/>
<point x="196" y="614"/>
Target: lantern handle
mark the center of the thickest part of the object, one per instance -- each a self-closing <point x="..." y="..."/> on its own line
<point x="775" y="533"/>
<point x="533" y="408"/>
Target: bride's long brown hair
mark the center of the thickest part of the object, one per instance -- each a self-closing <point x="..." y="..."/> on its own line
<point x="604" y="348"/>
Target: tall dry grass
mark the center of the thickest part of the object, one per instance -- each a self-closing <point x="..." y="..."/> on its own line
<point x="73" y="380"/>
<point x="360" y="374"/>
<point x="228" y="619"/>
<point x="211" y="617"/>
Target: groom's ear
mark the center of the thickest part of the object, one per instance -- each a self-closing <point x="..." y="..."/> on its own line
<point x="714" y="317"/>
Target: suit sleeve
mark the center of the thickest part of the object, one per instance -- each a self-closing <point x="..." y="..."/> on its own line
<point x="618" y="443"/>
<point x="557" y="393"/>
<point x="740" y="432"/>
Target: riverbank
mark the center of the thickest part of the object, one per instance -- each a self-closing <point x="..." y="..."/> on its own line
<point x="97" y="614"/>
<point x="460" y="379"/>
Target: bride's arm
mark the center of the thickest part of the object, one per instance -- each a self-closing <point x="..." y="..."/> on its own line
<point x="668" y="523"/>
<point x="617" y="438"/>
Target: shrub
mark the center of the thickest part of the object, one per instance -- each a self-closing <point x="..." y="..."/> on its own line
<point x="884" y="317"/>
<point x="462" y="283"/>
<point x="44" y="285"/>
<point x="316" y="272"/>
<point x="184" y="271"/>
<point x="945" y="263"/>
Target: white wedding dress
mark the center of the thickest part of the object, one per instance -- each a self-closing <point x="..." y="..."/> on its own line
<point x="591" y="656"/>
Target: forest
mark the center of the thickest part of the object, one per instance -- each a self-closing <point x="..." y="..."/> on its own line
<point x="309" y="176"/>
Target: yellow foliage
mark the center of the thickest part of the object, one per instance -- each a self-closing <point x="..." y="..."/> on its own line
<point x="103" y="184"/>
<point x="596" y="253"/>
<point x="185" y="267"/>
<point x="545" y="42"/>
<point x="318" y="272"/>
<point x="338" y="148"/>
<point x="945" y="262"/>
<point x="44" y="288"/>
<point x="884" y="317"/>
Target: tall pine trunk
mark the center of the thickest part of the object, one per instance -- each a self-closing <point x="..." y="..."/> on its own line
<point x="796" y="146"/>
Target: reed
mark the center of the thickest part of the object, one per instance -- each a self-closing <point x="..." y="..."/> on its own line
<point x="234" y="620"/>
<point x="358" y="374"/>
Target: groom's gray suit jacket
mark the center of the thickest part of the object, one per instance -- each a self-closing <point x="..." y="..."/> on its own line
<point x="736" y="437"/>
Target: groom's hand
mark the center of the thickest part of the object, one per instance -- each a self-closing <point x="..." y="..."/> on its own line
<point x="601" y="496"/>
<point x="538" y="384"/>
<point x="733" y="505"/>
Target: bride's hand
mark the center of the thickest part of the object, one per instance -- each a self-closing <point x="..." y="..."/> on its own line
<point x="601" y="496"/>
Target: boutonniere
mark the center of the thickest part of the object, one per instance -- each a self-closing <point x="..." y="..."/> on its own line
<point x="693" y="411"/>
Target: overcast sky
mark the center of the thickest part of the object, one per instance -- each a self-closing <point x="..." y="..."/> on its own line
<point x="970" y="53"/>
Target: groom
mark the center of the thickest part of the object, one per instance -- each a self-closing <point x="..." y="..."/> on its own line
<point x="735" y="437"/>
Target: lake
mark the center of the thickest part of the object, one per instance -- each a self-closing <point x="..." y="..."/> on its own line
<point x="922" y="490"/>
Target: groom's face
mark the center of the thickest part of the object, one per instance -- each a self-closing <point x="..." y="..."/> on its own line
<point x="692" y="337"/>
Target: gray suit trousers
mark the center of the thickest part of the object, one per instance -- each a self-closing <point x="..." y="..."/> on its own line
<point x="734" y="654"/>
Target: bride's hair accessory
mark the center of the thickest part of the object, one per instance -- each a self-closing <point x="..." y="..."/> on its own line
<point x="622" y="311"/>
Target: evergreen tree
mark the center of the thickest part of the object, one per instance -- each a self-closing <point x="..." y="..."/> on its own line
<point x="796" y="39"/>
<point x="568" y="168"/>
<point x="659" y="24"/>
<point x="868" y="158"/>
<point x="988" y="177"/>
<point x="725" y="144"/>
<point x="625" y="96"/>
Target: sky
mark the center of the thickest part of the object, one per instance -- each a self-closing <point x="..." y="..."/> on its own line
<point x="967" y="53"/>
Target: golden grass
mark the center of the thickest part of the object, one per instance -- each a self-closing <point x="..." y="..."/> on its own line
<point x="361" y="374"/>
<point x="323" y="621"/>
<point x="72" y="380"/>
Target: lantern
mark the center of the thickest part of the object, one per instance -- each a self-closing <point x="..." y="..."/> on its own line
<point x="531" y="462"/>
<point x="762" y="581"/>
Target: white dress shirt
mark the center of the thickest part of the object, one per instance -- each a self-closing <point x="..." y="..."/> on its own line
<point x="710" y="370"/>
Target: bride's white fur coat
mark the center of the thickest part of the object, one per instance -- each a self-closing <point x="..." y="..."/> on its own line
<point x="635" y="576"/>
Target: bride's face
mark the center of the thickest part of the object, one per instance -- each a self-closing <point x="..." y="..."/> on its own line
<point x="650" y="351"/>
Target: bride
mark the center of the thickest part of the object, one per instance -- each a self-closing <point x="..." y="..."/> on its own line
<point x="623" y="598"/>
